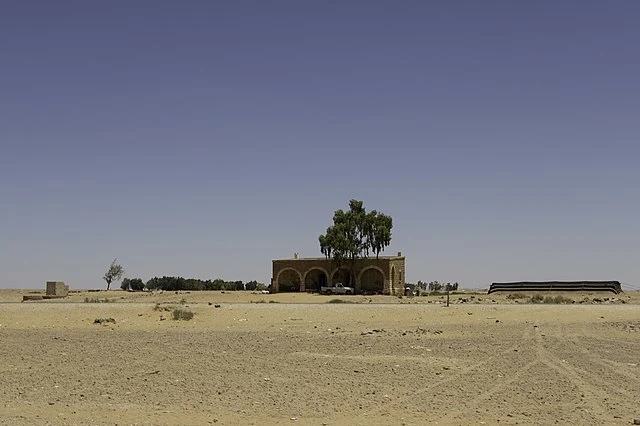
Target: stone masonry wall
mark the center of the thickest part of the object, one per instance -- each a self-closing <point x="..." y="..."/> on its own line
<point x="57" y="288"/>
<point x="393" y="284"/>
<point x="397" y="275"/>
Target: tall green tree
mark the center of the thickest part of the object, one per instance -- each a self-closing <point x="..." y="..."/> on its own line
<point x="114" y="273"/>
<point x="355" y="234"/>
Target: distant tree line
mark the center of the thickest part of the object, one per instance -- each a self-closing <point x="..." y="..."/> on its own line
<point x="189" y="284"/>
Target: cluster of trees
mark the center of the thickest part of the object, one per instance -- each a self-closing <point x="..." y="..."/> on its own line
<point x="115" y="272"/>
<point x="437" y="286"/>
<point x="194" y="284"/>
<point x="133" y="284"/>
<point x="190" y="284"/>
<point x="355" y="234"/>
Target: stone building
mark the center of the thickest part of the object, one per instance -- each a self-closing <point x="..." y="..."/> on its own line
<point x="57" y="288"/>
<point x="384" y="275"/>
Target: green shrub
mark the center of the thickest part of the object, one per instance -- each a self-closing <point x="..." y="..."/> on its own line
<point x="537" y="298"/>
<point x="340" y="301"/>
<point x="182" y="314"/>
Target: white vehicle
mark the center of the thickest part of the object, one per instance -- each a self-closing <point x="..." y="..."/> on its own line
<point x="337" y="288"/>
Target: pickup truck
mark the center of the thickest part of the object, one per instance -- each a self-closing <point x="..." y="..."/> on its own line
<point x="337" y="288"/>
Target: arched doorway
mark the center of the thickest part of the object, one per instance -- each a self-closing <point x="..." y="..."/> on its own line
<point x="314" y="279"/>
<point x="372" y="281"/>
<point x="289" y="280"/>
<point x="342" y="275"/>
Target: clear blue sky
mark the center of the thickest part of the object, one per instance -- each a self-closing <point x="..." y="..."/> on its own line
<point x="205" y="138"/>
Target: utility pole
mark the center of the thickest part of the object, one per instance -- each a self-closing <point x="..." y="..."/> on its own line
<point x="448" y="289"/>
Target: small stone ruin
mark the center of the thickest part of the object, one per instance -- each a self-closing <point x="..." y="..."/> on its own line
<point x="55" y="290"/>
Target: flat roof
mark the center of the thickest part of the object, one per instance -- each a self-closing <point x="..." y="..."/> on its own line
<point x="324" y="258"/>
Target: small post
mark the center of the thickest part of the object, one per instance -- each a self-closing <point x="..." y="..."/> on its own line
<point x="447" y="296"/>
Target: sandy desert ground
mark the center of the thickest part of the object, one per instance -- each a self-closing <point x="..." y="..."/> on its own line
<point x="303" y="361"/>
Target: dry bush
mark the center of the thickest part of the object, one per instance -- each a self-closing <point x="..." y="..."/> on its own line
<point x="558" y="300"/>
<point x="182" y="314"/>
<point x="96" y="300"/>
<point x="551" y="300"/>
<point x="157" y="307"/>
<point x="516" y="296"/>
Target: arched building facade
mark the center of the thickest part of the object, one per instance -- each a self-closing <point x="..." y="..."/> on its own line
<point x="384" y="275"/>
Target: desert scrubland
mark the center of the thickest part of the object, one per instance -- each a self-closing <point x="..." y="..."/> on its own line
<point x="300" y="360"/>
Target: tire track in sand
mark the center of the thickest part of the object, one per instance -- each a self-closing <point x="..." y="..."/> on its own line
<point x="551" y="361"/>
<point x="463" y="372"/>
<point x="462" y="379"/>
<point x="624" y="371"/>
<point x="595" y="395"/>
<point x="626" y="376"/>
<point x="469" y="406"/>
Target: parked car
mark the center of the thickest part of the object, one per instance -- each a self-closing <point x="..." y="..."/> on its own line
<point x="337" y="288"/>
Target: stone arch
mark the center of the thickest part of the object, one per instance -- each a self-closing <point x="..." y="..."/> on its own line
<point x="315" y="278"/>
<point x="288" y="279"/>
<point x="371" y="280"/>
<point x="342" y="275"/>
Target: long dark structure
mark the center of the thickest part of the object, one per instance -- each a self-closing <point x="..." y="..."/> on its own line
<point x="612" y="286"/>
